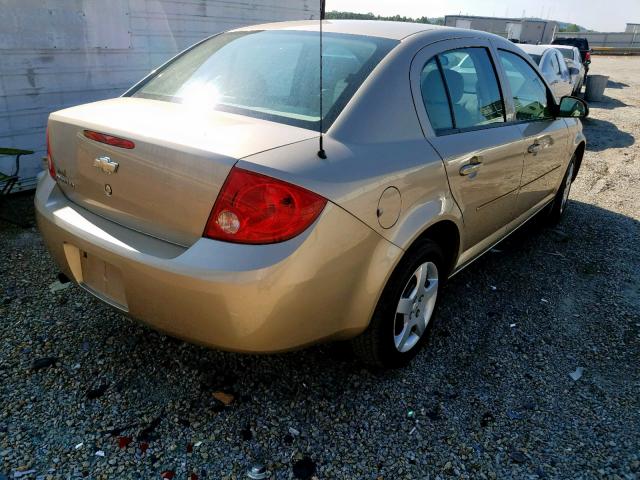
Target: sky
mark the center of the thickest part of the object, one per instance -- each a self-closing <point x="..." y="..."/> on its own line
<point x="600" y="15"/>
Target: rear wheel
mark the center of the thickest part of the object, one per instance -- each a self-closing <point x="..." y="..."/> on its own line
<point x="402" y="321"/>
<point x="561" y="201"/>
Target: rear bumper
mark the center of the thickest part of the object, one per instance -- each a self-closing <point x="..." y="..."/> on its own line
<point x="323" y="284"/>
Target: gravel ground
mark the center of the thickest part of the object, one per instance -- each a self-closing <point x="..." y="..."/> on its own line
<point x="87" y="393"/>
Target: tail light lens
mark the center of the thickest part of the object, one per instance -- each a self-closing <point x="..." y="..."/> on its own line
<point x="109" y="139"/>
<point x="50" y="165"/>
<point x="257" y="209"/>
<point x="587" y="56"/>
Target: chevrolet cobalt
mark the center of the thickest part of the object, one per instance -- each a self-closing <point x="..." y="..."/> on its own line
<point x="202" y="203"/>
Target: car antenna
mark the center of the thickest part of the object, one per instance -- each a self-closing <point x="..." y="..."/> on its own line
<point x="321" y="153"/>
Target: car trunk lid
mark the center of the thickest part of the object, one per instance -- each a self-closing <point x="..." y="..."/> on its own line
<point x="167" y="184"/>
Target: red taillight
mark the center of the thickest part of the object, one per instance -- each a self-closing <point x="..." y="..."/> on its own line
<point x="254" y="208"/>
<point x="50" y="165"/>
<point x="109" y="139"/>
<point x="587" y="56"/>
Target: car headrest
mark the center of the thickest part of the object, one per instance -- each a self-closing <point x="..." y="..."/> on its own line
<point x="455" y="82"/>
<point x="432" y="88"/>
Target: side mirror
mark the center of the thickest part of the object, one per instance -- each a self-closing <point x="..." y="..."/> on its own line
<point x="573" y="107"/>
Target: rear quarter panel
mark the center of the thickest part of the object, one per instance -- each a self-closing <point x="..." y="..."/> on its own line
<point x="377" y="142"/>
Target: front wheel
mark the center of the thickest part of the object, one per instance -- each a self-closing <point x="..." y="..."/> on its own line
<point x="403" y="318"/>
<point x="561" y="200"/>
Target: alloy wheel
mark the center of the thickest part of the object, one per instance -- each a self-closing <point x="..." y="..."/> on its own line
<point x="415" y="307"/>
<point x="567" y="188"/>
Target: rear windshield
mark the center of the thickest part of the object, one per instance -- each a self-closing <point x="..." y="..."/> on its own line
<point x="535" y="58"/>
<point x="273" y="75"/>
<point x="566" y="53"/>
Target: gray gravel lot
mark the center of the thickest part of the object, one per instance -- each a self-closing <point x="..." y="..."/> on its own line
<point x="492" y="396"/>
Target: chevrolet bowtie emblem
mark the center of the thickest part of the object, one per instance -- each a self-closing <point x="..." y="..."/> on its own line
<point x="106" y="165"/>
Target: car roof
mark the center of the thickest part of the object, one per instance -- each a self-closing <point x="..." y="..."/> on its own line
<point x="535" y="49"/>
<point x="371" y="28"/>
<point x="566" y="47"/>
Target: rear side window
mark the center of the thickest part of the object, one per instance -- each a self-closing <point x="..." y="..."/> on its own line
<point x="460" y="90"/>
<point x="273" y="75"/>
<point x="529" y="92"/>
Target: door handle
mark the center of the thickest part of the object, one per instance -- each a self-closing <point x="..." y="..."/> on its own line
<point x="471" y="167"/>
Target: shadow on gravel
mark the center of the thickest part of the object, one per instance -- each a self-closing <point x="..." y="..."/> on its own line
<point x="608" y="103"/>
<point x="614" y="84"/>
<point x="554" y="255"/>
<point x="602" y="135"/>
<point x="17" y="210"/>
<point x="493" y="381"/>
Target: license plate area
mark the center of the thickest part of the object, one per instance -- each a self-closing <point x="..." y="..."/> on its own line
<point x="103" y="279"/>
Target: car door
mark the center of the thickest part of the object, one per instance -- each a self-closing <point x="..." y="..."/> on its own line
<point x="565" y="87"/>
<point x="544" y="137"/>
<point x="551" y="71"/>
<point x="461" y="110"/>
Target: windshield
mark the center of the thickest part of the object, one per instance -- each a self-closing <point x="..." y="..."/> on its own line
<point x="270" y="74"/>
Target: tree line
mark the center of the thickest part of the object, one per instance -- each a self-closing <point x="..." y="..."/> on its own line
<point x="336" y="15"/>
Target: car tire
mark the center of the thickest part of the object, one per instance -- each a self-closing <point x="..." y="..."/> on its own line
<point x="402" y="313"/>
<point x="561" y="201"/>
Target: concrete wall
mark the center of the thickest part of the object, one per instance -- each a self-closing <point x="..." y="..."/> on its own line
<point x="59" y="53"/>
<point x="613" y="39"/>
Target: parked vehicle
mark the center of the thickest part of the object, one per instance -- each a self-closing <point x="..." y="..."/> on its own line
<point x="201" y="204"/>
<point x="583" y="45"/>
<point x="553" y="67"/>
<point x="576" y="69"/>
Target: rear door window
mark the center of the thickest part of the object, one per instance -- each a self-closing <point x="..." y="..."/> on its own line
<point x="473" y="88"/>
<point x="434" y="96"/>
<point x="460" y="90"/>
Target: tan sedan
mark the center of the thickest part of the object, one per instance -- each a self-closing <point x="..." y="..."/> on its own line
<point x="200" y="202"/>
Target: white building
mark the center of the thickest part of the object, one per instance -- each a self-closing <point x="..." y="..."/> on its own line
<point x="59" y="53"/>
<point x="632" y="28"/>
<point x="524" y="30"/>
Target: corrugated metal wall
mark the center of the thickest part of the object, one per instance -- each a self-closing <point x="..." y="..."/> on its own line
<point x="59" y="53"/>
<point x="611" y="40"/>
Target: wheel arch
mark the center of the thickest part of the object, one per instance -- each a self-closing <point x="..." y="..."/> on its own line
<point x="446" y="234"/>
